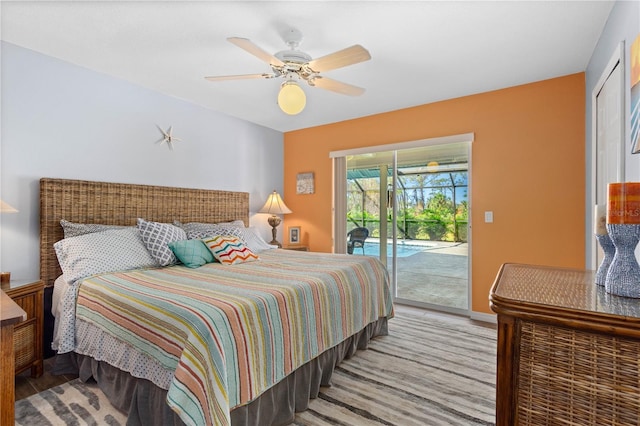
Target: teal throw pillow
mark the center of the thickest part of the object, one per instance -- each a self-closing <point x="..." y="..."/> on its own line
<point x="193" y="253"/>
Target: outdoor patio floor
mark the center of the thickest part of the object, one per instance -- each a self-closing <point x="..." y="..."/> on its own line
<point x="436" y="275"/>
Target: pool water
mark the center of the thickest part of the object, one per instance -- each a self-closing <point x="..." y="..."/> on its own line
<point x="402" y="250"/>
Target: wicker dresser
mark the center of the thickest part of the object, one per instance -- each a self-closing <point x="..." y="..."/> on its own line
<point x="568" y="352"/>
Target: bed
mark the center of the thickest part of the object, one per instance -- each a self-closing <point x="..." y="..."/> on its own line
<point x="317" y="310"/>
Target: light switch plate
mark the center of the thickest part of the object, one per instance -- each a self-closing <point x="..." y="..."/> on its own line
<point x="488" y="217"/>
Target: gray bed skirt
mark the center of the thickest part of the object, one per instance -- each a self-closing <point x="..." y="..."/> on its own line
<point x="146" y="404"/>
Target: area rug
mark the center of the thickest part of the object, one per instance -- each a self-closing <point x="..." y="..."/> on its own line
<point x="72" y="403"/>
<point x="425" y="372"/>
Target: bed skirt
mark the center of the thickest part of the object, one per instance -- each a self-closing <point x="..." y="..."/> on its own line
<point x="146" y="404"/>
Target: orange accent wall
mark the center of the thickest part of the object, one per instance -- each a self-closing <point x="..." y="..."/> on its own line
<point x="528" y="167"/>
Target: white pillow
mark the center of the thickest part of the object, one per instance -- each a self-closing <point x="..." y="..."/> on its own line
<point x="59" y="288"/>
<point x="157" y="236"/>
<point x="101" y="252"/>
<point x="254" y="241"/>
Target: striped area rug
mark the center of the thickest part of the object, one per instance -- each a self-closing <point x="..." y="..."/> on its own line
<point x="428" y="371"/>
<point x="425" y="372"/>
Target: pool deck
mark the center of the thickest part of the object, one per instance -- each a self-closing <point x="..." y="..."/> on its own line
<point x="438" y="275"/>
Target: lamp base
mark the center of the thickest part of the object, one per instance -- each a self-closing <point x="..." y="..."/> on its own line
<point x="275" y="242"/>
<point x="274" y="221"/>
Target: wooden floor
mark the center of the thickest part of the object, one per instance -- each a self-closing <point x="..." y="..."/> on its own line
<point x="27" y="386"/>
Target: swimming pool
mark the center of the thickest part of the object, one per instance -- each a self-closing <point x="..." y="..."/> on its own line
<point x="372" y="248"/>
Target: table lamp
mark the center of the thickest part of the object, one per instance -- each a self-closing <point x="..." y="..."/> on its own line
<point x="274" y="206"/>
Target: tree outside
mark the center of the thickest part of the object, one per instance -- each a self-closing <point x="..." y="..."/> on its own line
<point x="431" y="206"/>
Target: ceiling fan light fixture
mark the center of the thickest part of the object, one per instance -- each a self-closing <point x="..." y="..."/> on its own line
<point x="291" y="98"/>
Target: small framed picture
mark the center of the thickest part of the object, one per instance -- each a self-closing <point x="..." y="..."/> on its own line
<point x="304" y="183"/>
<point x="294" y="235"/>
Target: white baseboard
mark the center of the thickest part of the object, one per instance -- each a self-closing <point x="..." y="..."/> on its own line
<point x="481" y="316"/>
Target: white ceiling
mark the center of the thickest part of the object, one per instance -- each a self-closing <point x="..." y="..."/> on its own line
<point x="422" y="51"/>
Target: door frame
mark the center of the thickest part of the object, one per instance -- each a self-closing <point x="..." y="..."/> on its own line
<point x="616" y="60"/>
<point x="339" y="205"/>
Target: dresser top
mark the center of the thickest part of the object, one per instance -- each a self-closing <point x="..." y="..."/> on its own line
<point x="19" y="283"/>
<point x="10" y="312"/>
<point x="558" y="292"/>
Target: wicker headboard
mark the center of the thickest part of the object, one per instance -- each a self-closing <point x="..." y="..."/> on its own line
<point x="121" y="204"/>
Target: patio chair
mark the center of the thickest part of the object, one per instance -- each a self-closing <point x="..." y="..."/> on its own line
<point x="357" y="236"/>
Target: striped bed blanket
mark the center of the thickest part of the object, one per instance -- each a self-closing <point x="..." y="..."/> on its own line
<point x="229" y="333"/>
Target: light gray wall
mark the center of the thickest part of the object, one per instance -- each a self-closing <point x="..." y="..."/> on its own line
<point x="623" y="25"/>
<point x="61" y="120"/>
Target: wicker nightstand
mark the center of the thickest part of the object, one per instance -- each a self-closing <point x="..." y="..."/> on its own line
<point x="27" y="335"/>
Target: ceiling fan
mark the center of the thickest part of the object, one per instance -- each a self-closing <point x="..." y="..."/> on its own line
<point x="294" y="65"/>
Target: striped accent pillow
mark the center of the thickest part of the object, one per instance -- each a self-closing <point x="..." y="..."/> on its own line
<point x="229" y="250"/>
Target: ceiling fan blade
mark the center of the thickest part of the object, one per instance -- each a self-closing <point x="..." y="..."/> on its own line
<point x="239" y="77"/>
<point x="342" y="58"/>
<point x="256" y="51"/>
<point x="336" y="86"/>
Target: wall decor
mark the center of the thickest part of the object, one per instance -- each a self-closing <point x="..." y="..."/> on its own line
<point x="294" y="234"/>
<point x="304" y="183"/>
<point x="635" y="96"/>
<point x="168" y="137"/>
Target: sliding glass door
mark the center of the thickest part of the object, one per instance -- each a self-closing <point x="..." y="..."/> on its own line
<point x="369" y="204"/>
<point x="409" y="208"/>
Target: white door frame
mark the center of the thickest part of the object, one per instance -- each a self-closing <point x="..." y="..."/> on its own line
<point x="339" y="206"/>
<point x="617" y="60"/>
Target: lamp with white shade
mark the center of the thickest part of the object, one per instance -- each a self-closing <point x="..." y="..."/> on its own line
<point x="6" y="208"/>
<point x="274" y="206"/>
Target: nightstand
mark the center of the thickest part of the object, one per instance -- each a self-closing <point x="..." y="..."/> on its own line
<point x="10" y="315"/>
<point x="27" y="335"/>
<point x="297" y="248"/>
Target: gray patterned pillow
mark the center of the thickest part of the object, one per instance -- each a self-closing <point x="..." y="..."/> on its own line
<point x="100" y="252"/>
<point x="72" y="229"/>
<point x="157" y="236"/>
<point x="197" y="230"/>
